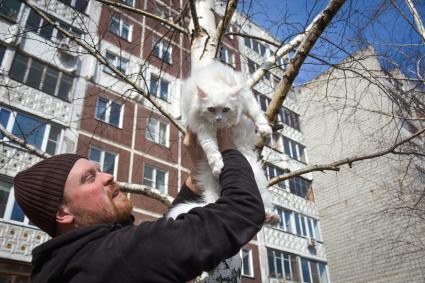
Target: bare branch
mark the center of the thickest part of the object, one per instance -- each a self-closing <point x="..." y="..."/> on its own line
<point x="23" y="143"/>
<point x="146" y="191"/>
<point x="419" y="25"/>
<point x="194" y="14"/>
<point x="310" y="38"/>
<point x="335" y="166"/>
<point x="224" y="23"/>
<point x="92" y="51"/>
<point x="146" y="14"/>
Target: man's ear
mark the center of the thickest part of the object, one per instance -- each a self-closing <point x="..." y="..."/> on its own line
<point x="63" y="215"/>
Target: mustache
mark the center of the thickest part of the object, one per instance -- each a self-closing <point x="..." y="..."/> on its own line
<point x="115" y="186"/>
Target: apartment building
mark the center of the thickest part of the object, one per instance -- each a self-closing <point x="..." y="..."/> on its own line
<point x="61" y="99"/>
<point x="369" y="211"/>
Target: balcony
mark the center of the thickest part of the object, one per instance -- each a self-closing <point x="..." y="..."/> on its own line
<point x="66" y="11"/>
<point x="18" y="241"/>
<point x="281" y="240"/>
<point x="36" y="101"/>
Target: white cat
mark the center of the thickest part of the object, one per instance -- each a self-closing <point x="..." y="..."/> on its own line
<point x="213" y="97"/>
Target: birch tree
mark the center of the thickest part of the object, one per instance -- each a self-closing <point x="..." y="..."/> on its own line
<point x="197" y="21"/>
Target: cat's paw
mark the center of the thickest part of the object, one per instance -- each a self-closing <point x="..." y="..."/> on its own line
<point x="216" y="166"/>
<point x="265" y="130"/>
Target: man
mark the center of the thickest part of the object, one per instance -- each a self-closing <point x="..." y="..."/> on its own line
<point x="93" y="238"/>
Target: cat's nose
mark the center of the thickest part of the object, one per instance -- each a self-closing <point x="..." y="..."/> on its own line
<point x="218" y="119"/>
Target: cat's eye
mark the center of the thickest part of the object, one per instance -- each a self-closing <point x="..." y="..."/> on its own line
<point x="211" y="109"/>
<point x="226" y="109"/>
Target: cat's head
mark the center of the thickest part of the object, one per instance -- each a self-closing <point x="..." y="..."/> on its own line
<point x="220" y="106"/>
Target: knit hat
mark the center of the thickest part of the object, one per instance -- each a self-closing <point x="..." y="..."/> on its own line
<point x="39" y="189"/>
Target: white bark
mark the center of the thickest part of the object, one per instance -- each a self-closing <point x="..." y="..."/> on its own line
<point x="417" y="18"/>
<point x="282" y="51"/>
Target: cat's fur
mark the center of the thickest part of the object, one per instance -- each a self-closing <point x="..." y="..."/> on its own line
<point x="213" y="97"/>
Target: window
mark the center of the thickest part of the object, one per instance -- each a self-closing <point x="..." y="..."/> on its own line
<point x="300" y="186"/>
<point x="294" y="149"/>
<point x="274" y="171"/>
<point x="226" y="56"/>
<point x="31" y="129"/>
<point x="157" y="131"/>
<point x="9" y="208"/>
<point x="255" y="45"/>
<point x="159" y="87"/>
<point x="274" y="141"/>
<point x="129" y="2"/>
<point x="247" y="269"/>
<point x="283" y="265"/>
<point x="37" y="24"/>
<point x="161" y="11"/>
<point x="290" y="118"/>
<point x="10" y="9"/>
<point x="313" y="271"/>
<point x="121" y="28"/>
<point x="306" y="226"/>
<point x="286" y="266"/>
<point x="2" y="51"/>
<point x="155" y="178"/>
<point x="108" y="111"/>
<point x="105" y="160"/>
<point x="263" y="101"/>
<point x="252" y="66"/>
<point x="41" y="76"/>
<point x="79" y="5"/>
<point x="285" y="219"/>
<point x="162" y="51"/>
<point x="119" y="62"/>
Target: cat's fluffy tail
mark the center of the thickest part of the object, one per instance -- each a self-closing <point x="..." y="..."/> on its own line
<point x="183" y="208"/>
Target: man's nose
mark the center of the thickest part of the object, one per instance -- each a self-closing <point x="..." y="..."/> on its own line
<point x="107" y="178"/>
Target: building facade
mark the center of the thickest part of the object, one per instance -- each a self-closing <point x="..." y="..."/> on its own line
<point x="369" y="223"/>
<point x="58" y="98"/>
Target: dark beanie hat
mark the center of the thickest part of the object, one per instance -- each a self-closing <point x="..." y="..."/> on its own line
<point x="39" y="189"/>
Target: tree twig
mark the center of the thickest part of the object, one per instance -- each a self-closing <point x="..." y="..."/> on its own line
<point x="335" y="166"/>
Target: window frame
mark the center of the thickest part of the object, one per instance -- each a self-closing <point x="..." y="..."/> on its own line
<point x="294" y="150"/>
<point x="154" y="176"/>
<point x="269" y="167"/>
<point x="158" y="44"/>
<point x="121" y="24"/>
<point x="228" y="54"/>
<point x="117" y="62"/>
<point x="299" y="181"/>
<point x="15" y="18"/>
<point x="250" y="263"/>
<point x="155" y="137"/>
<point x="11" y="120"/>
<point x="41" y="84"/>
<point x="108" y="110"/>
<point x="101" y="162"/>
<point x="158" y="88"/>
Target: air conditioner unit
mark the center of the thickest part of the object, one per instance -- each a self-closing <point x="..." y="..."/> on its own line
<point x="14" y="35"/>
<point x="311" y="243"/>
<point x="66" y="51"/>
<point x="64" y="44"/>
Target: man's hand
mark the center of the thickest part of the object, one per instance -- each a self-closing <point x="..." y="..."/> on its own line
<point x="190" y="141"/>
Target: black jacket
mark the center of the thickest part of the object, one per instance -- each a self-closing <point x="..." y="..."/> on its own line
<point x="165" y="250"/>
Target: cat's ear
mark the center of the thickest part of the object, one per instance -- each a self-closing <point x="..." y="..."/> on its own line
<point x="200" y="92"/>
<point x="235" y="90"/>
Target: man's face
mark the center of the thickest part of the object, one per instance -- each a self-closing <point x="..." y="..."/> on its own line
<point x="92" y="197"/>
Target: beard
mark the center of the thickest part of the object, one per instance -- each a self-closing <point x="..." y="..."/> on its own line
<point x="116" y="210"/>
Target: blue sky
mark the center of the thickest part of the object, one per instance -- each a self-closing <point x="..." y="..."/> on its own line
<point x="358" y="24"/>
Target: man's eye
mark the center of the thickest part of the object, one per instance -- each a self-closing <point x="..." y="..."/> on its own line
<point x="89" y="178"/>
